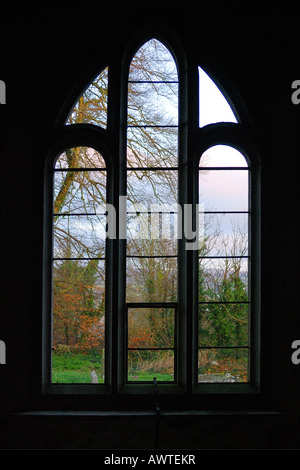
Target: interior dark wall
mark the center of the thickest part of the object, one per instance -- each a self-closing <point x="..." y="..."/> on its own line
<point x="45" y="55"/>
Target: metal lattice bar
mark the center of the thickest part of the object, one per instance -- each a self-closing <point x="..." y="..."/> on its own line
<point x="221" y="302"/>
<point x="153" y="81"/>
<point x="222" y="168"/>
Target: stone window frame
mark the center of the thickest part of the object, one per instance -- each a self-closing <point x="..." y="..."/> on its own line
<point x="111" y="143"/>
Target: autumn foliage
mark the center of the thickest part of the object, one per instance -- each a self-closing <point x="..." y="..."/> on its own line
<point x="78" y="313"/>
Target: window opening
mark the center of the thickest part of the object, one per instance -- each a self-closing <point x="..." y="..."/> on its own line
<point x="151" y="342"/>
<point x="224" y="303"/>
<point x="91" y="106"/>
<point x="213" y="106"/>
<point x="152" y="187"/>
<point x="160" y="334"/>
<point x="79" y="258"/>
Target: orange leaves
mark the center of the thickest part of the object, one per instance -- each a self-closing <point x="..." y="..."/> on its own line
<point x="141" y="339"/>
<point x="75" y="322"/>
<point x="230" y="366"/>
<point x="91" y="333"/>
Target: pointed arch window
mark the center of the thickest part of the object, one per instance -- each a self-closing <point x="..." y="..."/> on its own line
<point x="213" y="106"/>
<point x="224" y="262"/>
<point x="79" y="264"/>
<point x="168" y="294"/>
<point x="91" y="106"/>
<point x="152" y="195"/>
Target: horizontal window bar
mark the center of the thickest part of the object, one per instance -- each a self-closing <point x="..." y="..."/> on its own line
<point x="148" y="212"/>
<point x="151" y="304"/>
<point x="78" y="169"/>
<point x="152" y="81"/>
<point x="78" y="259"/>
<point x="153" y="168"/>
<point x="224" y="257"/>
<point x="64" y="214"/>
<point x="222" y="168"/>
<point x="175" y="212"/>
<point x="220" y="302"/>
<point x="157" y="126"/>
<point x="132" y="382"/>
<point x="223" y="347"/>
<point x="224" y="212"/>
<point x="151" y="349"/>
<point x="151" y="256"/>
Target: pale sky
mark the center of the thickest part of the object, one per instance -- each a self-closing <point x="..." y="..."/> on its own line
<point x="213" y="106"/>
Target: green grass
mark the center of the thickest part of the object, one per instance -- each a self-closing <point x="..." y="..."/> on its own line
<point x="71" y="377"/>
<point x="75" y="368"/>
<point x="71" y="368"/>
<point x="148" y="377"/>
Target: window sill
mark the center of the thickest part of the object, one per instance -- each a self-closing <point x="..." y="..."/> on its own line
<point x="130" y="413"/>
<point x="148" y="389"/>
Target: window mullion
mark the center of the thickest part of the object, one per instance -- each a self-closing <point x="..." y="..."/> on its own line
<point x="190" y="115"/>
<point x="116" y="118"/>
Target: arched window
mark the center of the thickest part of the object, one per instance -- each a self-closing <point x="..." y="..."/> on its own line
<point x="223" y="326"/>
<point x="213" y="106"/>
<point x="152" y="189"/>
<point x="91" y="106"/>
<point x="79" y="262"/>
<point x="154" y="269"/>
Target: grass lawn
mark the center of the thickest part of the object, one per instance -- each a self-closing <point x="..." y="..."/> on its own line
<point x="148" y="377"/>
<point x="76" y="368"/>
